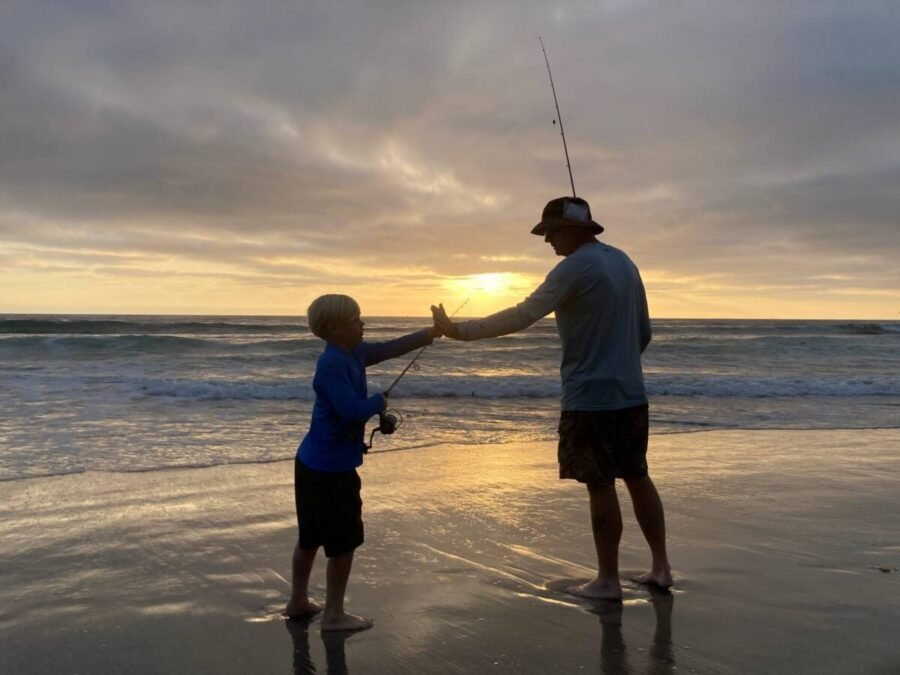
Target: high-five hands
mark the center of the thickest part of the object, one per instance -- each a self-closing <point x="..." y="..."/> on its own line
<point x="443" y="323"/>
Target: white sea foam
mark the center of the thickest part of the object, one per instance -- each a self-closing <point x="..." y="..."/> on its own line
<point x="219" y="390"/>
<point x="518" y="387"/>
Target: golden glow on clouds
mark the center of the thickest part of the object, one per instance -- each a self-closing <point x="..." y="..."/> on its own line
<point x="92" y="279"/>
<point x="713" y="296"/>
<point x="209" y="289"/>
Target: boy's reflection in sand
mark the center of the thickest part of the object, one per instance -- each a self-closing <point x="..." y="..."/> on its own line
<point x="335" y="660"/>
<point x="613" y="652"/>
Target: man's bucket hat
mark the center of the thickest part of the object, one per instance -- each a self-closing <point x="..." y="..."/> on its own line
<point x="566" y="212"/>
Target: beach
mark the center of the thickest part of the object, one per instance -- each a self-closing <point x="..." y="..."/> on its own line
<point x="784" y="545"/>
<point x="219" y="220"/>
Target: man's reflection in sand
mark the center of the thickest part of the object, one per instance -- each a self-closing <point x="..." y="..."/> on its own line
<point x="335" y="659"/>
<point x="614" y="653"/>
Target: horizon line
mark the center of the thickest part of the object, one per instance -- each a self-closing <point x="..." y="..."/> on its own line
<point x="423" y="316"/>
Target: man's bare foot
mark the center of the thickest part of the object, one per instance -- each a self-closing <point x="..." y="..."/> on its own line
<point x="301" y="610"/>
<point x="346" y="622"/>
<point x="661" y="578"/>
<point x="598" y="589"/>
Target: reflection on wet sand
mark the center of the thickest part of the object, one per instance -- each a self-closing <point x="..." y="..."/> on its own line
<point x="335" y="658"/>
<point x="614" y="652"/>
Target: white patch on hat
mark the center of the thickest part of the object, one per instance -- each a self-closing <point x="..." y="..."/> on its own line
<point x="574" y="211"/>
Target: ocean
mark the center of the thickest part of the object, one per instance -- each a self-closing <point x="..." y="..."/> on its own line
<point x="138" y="393"/>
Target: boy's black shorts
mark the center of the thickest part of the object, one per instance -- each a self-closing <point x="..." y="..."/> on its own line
<point x="329" y="509"/>
<point x="596" y="447"/>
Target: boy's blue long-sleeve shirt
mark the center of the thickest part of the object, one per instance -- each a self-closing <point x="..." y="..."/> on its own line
<point x="336" y="436"/>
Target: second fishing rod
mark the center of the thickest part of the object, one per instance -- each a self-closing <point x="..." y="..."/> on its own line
<point x="391" y="419"/>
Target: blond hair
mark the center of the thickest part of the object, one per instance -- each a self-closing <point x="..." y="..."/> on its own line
<point x="327" y="312"/>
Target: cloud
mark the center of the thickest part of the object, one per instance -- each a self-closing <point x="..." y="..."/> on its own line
<point x="298" y="141"/>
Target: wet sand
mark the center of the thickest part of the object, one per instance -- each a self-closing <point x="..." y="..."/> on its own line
<point x="785" y="547"/>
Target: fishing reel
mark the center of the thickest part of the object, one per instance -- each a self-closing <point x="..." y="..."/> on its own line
<point x="388" y="422"/>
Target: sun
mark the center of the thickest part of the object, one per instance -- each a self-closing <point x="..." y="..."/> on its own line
<point x="485" y="290"/>
<point x="492" y="283"/>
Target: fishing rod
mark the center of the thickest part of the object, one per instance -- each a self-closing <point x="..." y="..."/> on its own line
<point x="390" y="420"/>
<point x="559" y="117"/>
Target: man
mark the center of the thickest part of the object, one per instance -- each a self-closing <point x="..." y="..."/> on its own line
<point x="601" y="313"/>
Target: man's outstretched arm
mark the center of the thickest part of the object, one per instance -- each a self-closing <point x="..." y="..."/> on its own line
<point x="504" y="322"/>
<point x="555" y="290"/>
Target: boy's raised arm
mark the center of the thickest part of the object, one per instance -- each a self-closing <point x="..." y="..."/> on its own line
<point x="376" y="352"/>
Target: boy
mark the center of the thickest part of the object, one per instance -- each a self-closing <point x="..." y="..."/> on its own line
<point x="326" y="485"/>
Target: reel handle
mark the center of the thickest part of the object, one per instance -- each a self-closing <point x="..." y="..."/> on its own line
<point x="388" y="421"/>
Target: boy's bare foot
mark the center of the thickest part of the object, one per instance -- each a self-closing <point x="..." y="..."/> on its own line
<point x="598" y="589"/>
<point x="301" y="610"/>
<point x="661" y="578"/>
<point x="346" y="622"/>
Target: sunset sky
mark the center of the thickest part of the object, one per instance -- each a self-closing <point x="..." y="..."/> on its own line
<point x="244" y="157"/>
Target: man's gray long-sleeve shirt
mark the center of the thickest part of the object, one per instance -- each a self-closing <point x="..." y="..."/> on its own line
<point x="603" y="322"/>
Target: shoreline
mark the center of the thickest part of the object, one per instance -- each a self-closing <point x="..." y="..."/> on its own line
<point x="412" y="317"/>
<point x="432" y="446"/>
<point x="777" y="539"/>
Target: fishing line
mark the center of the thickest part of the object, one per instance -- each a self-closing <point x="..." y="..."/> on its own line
<point x="410" y="364"/>
<point x="559" y="117"/>
<point x="390" y="420"/>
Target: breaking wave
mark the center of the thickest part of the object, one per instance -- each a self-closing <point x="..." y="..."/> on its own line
<point x="122" y="327"/>
<point x="517" y="387"/>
